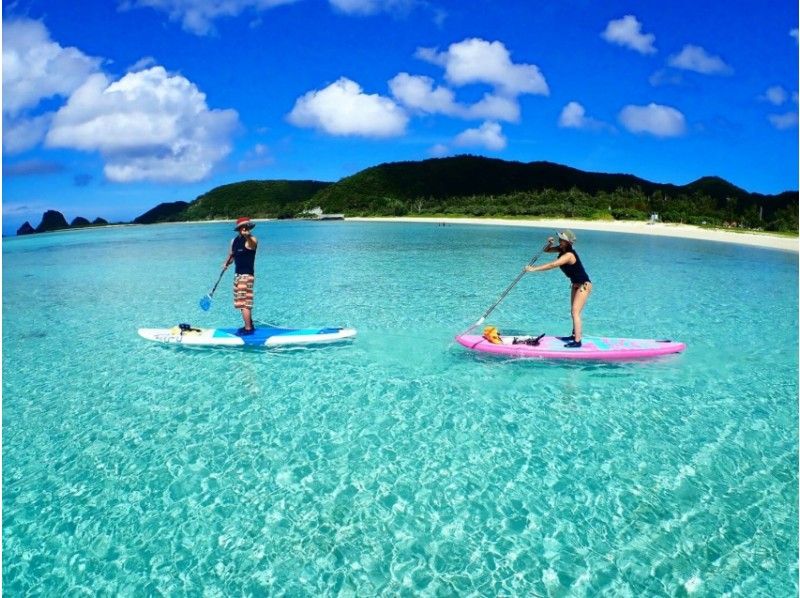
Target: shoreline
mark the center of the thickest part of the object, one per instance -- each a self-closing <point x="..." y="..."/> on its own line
<point x="658" y="229"/>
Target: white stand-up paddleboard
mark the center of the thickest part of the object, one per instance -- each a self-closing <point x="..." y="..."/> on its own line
<point x="264" y="336"/>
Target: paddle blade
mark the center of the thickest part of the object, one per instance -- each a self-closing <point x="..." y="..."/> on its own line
<point x="205" y="303"/>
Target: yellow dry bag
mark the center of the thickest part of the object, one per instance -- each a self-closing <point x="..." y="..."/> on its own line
<point x="491" y="334"/>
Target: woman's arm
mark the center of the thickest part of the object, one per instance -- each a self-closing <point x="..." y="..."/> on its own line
<point x="567" y="258"/>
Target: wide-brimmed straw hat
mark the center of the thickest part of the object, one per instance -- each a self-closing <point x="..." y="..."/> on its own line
<point x="568" y="236"/>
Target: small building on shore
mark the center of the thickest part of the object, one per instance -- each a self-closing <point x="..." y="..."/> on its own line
<point x="319" y="215"/>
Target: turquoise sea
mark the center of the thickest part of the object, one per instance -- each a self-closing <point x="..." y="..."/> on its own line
<point x="398" y="464"/>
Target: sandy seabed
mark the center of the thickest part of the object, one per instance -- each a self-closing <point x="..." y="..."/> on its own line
<point x="685" y="231"/>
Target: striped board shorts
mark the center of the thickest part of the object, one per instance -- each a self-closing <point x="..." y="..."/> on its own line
<point x="243" y="291"/>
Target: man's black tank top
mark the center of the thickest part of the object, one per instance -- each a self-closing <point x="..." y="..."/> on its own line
<point x="244" y="258"/>
<point x="575" y="272"/>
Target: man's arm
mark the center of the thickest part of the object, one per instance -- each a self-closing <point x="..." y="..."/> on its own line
<point x="228" y="259"/>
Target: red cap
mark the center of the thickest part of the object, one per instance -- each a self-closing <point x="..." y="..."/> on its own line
<point x="244" y="222"/>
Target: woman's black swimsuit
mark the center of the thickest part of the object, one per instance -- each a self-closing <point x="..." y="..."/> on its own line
<point x="575" y="272"/>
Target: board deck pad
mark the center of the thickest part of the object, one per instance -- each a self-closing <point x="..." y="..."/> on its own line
<point x="263" y="336"/>
<point x="593" y="347"/>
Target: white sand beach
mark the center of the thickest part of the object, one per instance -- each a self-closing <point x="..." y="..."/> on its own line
<point x="685" y="231"/>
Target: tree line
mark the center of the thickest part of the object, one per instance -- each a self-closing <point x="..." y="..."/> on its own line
<point x="621" y="204"/>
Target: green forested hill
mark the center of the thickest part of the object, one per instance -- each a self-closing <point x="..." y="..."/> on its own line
<point x="256" y="199"/>
<point x="163" y="212"/>
<point x="462" y="176"/>
<point x="478" y="186"/>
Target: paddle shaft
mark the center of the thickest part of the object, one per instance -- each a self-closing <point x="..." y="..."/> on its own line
<point x="211" y="294"/>
<point x="506" y="292"/>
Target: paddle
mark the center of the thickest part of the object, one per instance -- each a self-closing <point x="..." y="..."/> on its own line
<point x="205" y="302"/>
<point x="506" y="292"/>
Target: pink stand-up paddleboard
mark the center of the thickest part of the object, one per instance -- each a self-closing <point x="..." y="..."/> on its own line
<point x="598" y="348"/>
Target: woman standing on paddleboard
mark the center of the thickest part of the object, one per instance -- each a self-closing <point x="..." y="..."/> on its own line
<point x="571" y="265"/>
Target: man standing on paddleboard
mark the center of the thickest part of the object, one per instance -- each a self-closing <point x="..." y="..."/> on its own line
<point x="243" y="253"/>
<point x="581" y="286"/>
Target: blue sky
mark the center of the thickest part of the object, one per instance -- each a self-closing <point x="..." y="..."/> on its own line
<point x="116" y="106"/>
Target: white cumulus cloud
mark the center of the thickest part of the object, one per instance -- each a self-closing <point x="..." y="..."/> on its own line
<point x="342" y="108"/>
<point x="420" y="94"/>
<point x="488" y="135"/>
<point x="148" y="126"/>
<point x="35" y="68"/>
<point x="573" y="116"/>
<point x="431" y="55"/>
<point x="655" y="119"/>
<point x="793" y="33"/>
<point x="494" y="107"/>
<point x="627" y="32"/>
<point x="22" y="134"/>
<point x="695" y="58"/>
<point x="476" y="60"/>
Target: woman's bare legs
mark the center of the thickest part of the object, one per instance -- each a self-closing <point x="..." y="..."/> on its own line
<point x="580" y="293"/>
<point x="573" y="290"/>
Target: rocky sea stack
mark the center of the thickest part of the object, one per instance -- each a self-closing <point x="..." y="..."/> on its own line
<point x="52" y="220"/>
<point x="26" y="229"/>
<point x="78" y="222"/>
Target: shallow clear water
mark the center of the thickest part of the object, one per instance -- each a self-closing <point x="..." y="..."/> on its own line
<point x="398" y="464"/>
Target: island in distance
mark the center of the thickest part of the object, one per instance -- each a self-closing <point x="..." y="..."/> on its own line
<point x="476" y="186"/>
<point x="54" y="220"/>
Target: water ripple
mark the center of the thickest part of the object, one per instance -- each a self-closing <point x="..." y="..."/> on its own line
<point x="397" y="464"/>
